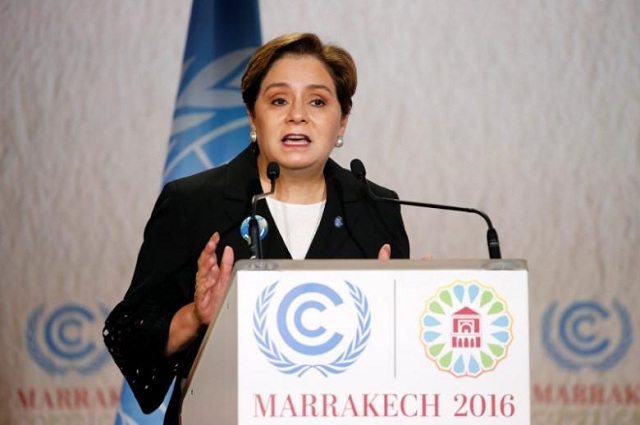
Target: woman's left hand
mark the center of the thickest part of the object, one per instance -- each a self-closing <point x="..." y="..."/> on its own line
<point x="385" y="252"/>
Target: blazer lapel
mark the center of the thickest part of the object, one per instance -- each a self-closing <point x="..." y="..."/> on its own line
<point x="334" y="227"/>
<point x="273" y="245"/>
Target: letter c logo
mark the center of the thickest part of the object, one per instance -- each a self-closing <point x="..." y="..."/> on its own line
<point x="287" y="304"/>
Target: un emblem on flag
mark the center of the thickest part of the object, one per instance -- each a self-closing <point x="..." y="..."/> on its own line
<point x="210" y="123"/>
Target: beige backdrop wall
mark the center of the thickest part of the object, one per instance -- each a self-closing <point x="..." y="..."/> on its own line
<point x="528" y="110"/>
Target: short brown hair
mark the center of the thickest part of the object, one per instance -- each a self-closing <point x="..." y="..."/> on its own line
<point x="338" y="61"/>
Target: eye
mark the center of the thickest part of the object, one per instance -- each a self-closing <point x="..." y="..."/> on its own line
<point x="318" y="102"/>
<point x="279" y="101"/>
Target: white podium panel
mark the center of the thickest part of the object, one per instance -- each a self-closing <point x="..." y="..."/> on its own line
<point x="367" y="342"/>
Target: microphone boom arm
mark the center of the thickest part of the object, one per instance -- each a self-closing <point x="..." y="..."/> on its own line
<point x="493" y="243"/>
<point x="255" y="243"/>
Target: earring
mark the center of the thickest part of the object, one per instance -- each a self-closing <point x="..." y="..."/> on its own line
<point x="253" y="136"/>
<point x="339" y="142"/>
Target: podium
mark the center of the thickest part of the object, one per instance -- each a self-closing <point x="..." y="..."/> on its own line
<point x="366" y="342"/>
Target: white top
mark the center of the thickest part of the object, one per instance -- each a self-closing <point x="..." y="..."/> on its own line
<point x="297" y="224"/>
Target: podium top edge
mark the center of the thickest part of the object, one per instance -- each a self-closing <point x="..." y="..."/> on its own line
<point x="372" y="264"/>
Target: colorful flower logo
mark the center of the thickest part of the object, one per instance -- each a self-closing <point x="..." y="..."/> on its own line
<point x="466" y="329"/>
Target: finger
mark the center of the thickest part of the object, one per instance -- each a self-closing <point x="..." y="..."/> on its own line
<point x="222" y="274"/>
<point x="206" y="271"/>
<point x="207" y="253"/>
<point x="226" y="264"/>
<point x="218" y="291"/>
<point x="212" y="274"/>
<point x="207" y="259"/>
<point x="385" y="252"/>
<point x="217" y="284"/>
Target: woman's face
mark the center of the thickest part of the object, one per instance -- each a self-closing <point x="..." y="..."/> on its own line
<point x="297" y="116"/>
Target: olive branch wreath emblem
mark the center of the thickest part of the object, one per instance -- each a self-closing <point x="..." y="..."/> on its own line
<point x="284" y="364"/>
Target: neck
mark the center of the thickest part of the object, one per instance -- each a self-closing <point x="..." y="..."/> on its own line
<point x="297" y="189"/>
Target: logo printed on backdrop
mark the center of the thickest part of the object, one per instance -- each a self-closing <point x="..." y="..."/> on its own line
<point x="466" y="329"/>
<point x="67" y="338"/>
<point x="313" y="326"/>
<point x="587" y="334"/>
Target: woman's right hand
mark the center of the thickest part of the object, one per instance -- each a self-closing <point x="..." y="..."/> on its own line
<point x="212" y="280"/>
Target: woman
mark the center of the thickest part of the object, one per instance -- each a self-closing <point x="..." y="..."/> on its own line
<point x="298" y="93"/>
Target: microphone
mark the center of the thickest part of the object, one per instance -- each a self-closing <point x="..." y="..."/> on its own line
<point x="255" y="243"/>
<point x="358" y="170"/>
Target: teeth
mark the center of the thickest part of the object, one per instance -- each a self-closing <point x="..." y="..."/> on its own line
<point x="296" y="138"/>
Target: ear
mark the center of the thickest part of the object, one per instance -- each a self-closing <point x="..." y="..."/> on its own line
<point x="343" y="124"/>
<point x="251" y="119"/>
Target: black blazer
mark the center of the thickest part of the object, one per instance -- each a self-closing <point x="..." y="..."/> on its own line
<point x="186" y="214"/>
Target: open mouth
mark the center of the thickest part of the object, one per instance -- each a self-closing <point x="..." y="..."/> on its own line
<point x="296" y="139"/>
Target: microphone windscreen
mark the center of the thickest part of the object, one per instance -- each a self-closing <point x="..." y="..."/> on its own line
<point x="357" y="168"/>
<point x="273" y="170"/>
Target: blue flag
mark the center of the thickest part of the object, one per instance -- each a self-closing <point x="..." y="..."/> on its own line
<point x="210" y="123"/>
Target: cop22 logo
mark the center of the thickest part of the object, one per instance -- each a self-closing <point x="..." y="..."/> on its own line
<point x="313" y="323"/>
<point x="466" y="329"/>
<point x="66" y="339"/>
<point x="587" y="334"/>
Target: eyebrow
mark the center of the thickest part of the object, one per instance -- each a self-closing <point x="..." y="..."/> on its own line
<point x="310" y="86"/>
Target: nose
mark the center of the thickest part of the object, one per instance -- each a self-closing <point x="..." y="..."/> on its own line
<point x="297" y="112"/>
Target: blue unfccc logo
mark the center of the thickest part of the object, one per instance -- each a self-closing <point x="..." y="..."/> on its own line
<point x="66" y="339"/>
<point x="587" y="334"/>
<point x="300" y="342"/>
<point x="285" y="307"/>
